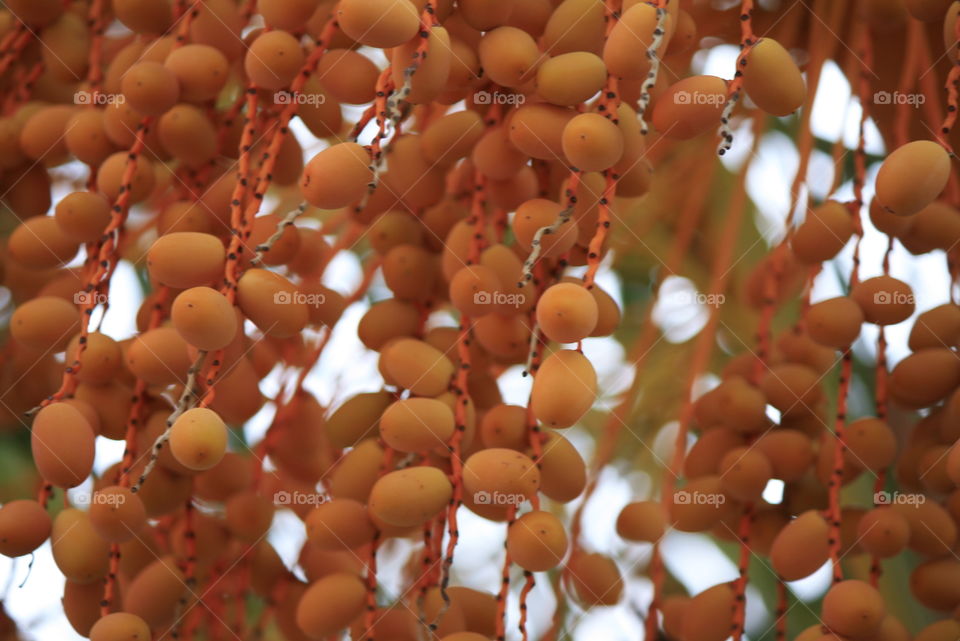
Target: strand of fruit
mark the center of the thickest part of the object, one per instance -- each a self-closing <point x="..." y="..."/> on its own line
<point x="779" y="255"/>
<point x="284" y="225"/>
<point x="595" y="248"/>
<point x="880" y="401"/>
<point x="908" y="76"/>
<point x="97" y="268"/>
<point x="390" y="105"/>
<point x="189" y="570"/>
<point x="428" y="561"/>
<point x="25" y="83"/>
<point x="107" y="246"/>
<point x="744" y="527"/>
<point x="369" y="273"/>
<point x="747" y="42"/>
<point x="241" y="217"/>
<point x="239" y="198"/>
<point x="760" y="360"/>
<point x="757" y="372"/>
<point x="529" y="584"/>
<point x="653" y="56"/>
<point x="398" y="93"/>
<point x="953" y="80"/>
<point x="369" y="617"/>
<point x="536" y="438"/>
<point x="608" y="100"/>
<point x="245" y="231"/>
<point x="461" y="392"/>
<point x="96" y="23"/>
<point x="288" y="409"/>
<point x="702" y="349"/>
<point x="770" y="297"/>
<point x="133" y="422"/>
<point x="738" y="626"/>
<point x="690" y="216"/>
<point x="13" y="45"/>
<point x="202" y="176"/>
<point x="835" y="510"/>
<point x="534" y="272"/>
<point x="7" y="43"/>
<point x="105" y="253"/>
<point x="504" y="591"/>
<point x="190" y="391"/>
<point x="865" y="50"/>
<point x="933" y="109"/>
<point x="404" y="92"/>
<point x="138" y="407"/>
<point x="536" y="244"/>
<point x="296" y="76"/>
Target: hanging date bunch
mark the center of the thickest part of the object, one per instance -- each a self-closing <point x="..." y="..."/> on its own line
<point x="479" y="320"/>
